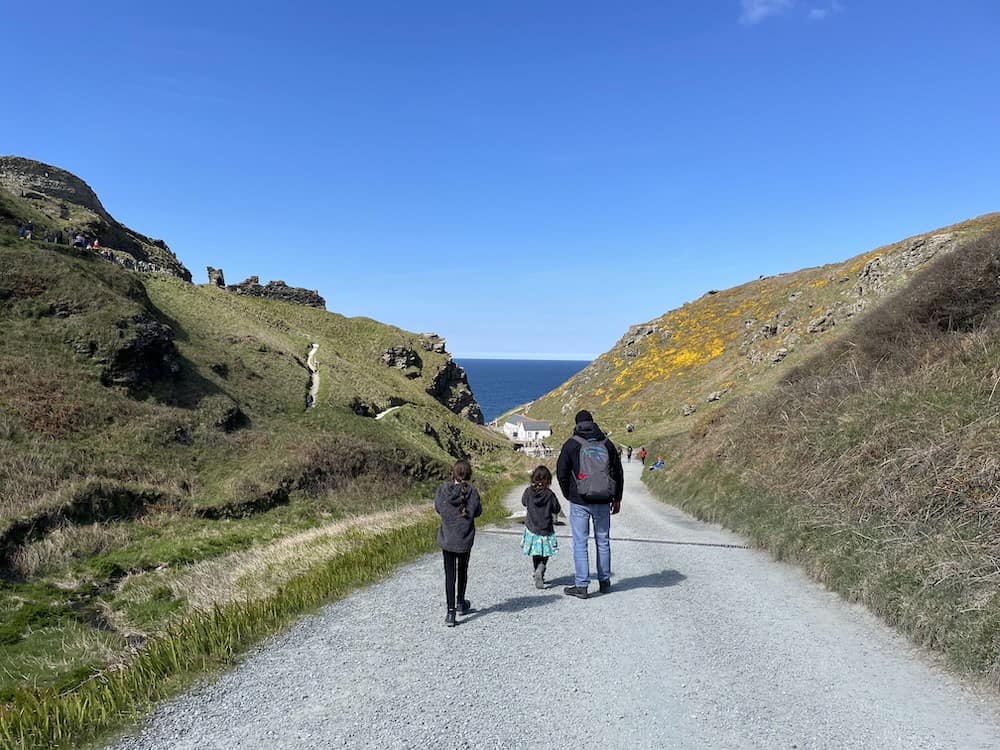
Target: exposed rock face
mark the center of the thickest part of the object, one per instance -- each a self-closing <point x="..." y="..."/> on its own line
<point x="637" y="333"/>
<point x="73" y="207"/>
<point x="279" y="290"/>
<point x="450" y="386"/>
<point x="403" y="358"/>
<point x="216" y="277"/>
<point x="431" y="342"/>
<point x="146" y="356"/>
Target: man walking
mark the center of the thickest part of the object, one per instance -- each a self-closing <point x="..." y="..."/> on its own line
<point x="589" y="471"/>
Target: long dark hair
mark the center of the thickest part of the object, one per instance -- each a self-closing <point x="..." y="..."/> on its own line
<point x="541" y="477"/>
<point x="462" y="472"/>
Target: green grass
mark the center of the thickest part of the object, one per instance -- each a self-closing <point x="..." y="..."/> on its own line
<point x="131" y="490"/>
<point x="204" y="642"/>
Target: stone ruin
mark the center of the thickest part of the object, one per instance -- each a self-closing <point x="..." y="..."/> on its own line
<point x="216" y="277"/>
<point x="277" y="289"/>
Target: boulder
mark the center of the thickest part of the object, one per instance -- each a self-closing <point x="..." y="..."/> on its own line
<point x="146" y="356"/>
<point x="402" y="358"/>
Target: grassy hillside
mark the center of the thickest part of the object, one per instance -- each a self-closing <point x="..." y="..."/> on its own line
<point x="874" y="463"/>
<point x="158" y="459"/>
<point x="852" y="426"/>
<point x="727" y="343"/>
<point x="61" y="206"/>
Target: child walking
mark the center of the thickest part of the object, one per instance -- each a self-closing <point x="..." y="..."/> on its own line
<point x="458" y="504"/>
<point x="539" y="538"/>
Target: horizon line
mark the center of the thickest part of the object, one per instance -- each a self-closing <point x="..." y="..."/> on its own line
<point x="525" y="355"/>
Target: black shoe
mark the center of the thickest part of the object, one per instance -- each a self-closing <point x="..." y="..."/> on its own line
<point x="449" y="619"/>
<point x="539" y="577"/>
<point x="464" y="606"/>
<point x="605" y="586"/>
<point x="578" y="591"/>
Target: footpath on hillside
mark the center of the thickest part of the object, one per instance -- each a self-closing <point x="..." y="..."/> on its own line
<point x="702" y="643"/>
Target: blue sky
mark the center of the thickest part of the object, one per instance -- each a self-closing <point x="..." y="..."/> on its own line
<point x="525" y="178"/>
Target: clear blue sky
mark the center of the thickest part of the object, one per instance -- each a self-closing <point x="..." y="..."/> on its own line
<point x="525" y="178"/>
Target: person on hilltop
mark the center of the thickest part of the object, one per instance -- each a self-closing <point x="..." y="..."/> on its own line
<point x="539" y="538"/>
<point x="590" y="476"/>
<point x="458" y="504"/>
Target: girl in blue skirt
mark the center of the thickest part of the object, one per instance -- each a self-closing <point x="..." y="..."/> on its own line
<point x="539" y="539"/>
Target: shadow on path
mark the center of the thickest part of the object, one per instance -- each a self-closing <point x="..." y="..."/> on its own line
<point x="660" y="580"/>
<point x="514" y="604"/>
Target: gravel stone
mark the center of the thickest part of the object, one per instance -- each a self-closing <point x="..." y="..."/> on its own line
<point x="697" y="646"/>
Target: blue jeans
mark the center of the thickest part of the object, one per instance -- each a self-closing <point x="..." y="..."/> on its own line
<point x="580" y="515"/>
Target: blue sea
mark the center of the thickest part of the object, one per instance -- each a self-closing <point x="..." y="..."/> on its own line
<point x="502" y="384"/>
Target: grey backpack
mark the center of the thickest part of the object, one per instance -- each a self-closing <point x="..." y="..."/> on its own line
<point x="594" y="481"/>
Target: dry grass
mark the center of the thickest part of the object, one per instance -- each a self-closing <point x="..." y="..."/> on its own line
<point x="64" y="545"/>
<point x="259" y="572"/>
<point x="875" y="463"/>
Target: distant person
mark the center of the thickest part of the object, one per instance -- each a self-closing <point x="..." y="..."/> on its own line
<point x="97" y="245"/>
<point x="79" y="241"/>
<point x="658" y="464"/>
<point x="590" y="477"/>
<point x="539" y="538"/>
<point x="28" y="229"/>
<point x="628" y="453"/>
<point x="20" y="230"/>
<point x="642" y="454"/>
<point x="458" y="504"/>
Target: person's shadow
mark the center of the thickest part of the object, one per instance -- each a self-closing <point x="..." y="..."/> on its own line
<point x="661" y="580"/>
<point x="514" y="604"/>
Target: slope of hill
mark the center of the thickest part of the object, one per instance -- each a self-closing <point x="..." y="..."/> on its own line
<point x="844" y="417"/>
<point x="62" y="206"/>
<point x="663" y="375"/>
<point x="161" y="452"/>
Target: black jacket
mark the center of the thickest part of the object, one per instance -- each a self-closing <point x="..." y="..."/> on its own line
<point x="456" y="533"/>
<point x="568" y="466"/>
<point x="542" y="504"/>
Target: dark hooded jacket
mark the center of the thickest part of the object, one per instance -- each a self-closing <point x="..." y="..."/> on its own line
<point x="542" y="504"/>
<point x="456" y="532"/>
<point x="568" y="466"/>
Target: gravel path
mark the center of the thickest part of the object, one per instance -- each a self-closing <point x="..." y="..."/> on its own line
<point x="313" y="376"/>
<point x="697" y="646"/>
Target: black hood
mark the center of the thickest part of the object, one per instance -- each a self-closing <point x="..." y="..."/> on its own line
<point x="453" y="493"/>
<point x="588" y="431"/>
<point x="538" y="496"/>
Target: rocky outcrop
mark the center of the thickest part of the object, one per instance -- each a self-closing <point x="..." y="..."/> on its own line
<point x="279" y="290"/>
<point x="216" y="277"/>
<point x="450" y="386"/>
<point x="431" y="342"/>
<point x="403" y="358"/>
<point x="147" y="355"/>
<point x="72" y="207"/>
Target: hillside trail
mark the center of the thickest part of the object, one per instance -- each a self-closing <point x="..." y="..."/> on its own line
<point x="313" y="375"/>
<point x="702" y="643"/>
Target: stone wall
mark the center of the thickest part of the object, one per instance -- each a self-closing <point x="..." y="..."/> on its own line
<point x="278" y="290"/>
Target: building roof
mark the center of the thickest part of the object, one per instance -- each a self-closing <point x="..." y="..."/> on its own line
<point x="529" y="424"/>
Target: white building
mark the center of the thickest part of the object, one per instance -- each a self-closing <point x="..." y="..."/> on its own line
<point x="522" y="429"/>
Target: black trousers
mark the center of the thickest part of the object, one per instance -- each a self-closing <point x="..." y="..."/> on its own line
<point x="456" y="572"/>
<point x="537" y="560"/>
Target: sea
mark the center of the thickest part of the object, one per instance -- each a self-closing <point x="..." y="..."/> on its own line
<point x="502" y="384"/>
